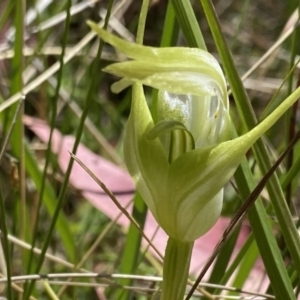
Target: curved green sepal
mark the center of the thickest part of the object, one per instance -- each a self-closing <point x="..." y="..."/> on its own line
<point x="145" y="159"/>
<point x="201" y="81"/>
<point x="121" y="85"/>
<point x="163" y="68"/>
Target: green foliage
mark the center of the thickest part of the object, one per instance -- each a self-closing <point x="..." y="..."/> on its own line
<point x="64" y="85"/>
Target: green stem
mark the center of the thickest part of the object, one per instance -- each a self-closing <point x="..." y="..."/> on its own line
<point x="176" y="269"/>
<point x="142" y="22"/>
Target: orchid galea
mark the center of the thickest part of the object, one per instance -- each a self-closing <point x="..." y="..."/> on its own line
<point x="182" y="161"/>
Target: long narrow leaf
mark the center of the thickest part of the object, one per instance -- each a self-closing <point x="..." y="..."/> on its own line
<point x="188" y="23"/>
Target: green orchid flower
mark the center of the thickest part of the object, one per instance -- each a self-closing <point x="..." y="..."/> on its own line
<point x="193" y="114"/>
<point x="182" y="163"/>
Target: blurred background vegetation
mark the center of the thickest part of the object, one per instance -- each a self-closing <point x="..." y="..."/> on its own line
<point x="33" y="37"/>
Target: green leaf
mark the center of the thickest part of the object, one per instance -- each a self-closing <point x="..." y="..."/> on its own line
<point x="246" y="266"/>
<point x="221" y="263"/>
<point x="131" y="252"/>
<point x="188" y="23"/>
<point x="49" y="201"/>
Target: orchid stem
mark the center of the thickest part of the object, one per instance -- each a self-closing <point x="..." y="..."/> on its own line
<point x="176" y="269"/>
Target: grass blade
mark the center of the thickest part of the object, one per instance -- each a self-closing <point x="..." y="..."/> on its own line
<point x="188" y="23"/>
<point x="131" y="252"/>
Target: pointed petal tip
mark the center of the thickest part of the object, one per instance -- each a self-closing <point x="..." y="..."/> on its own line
<point x="121" y="85"/>
<point x="93" y="25"/>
